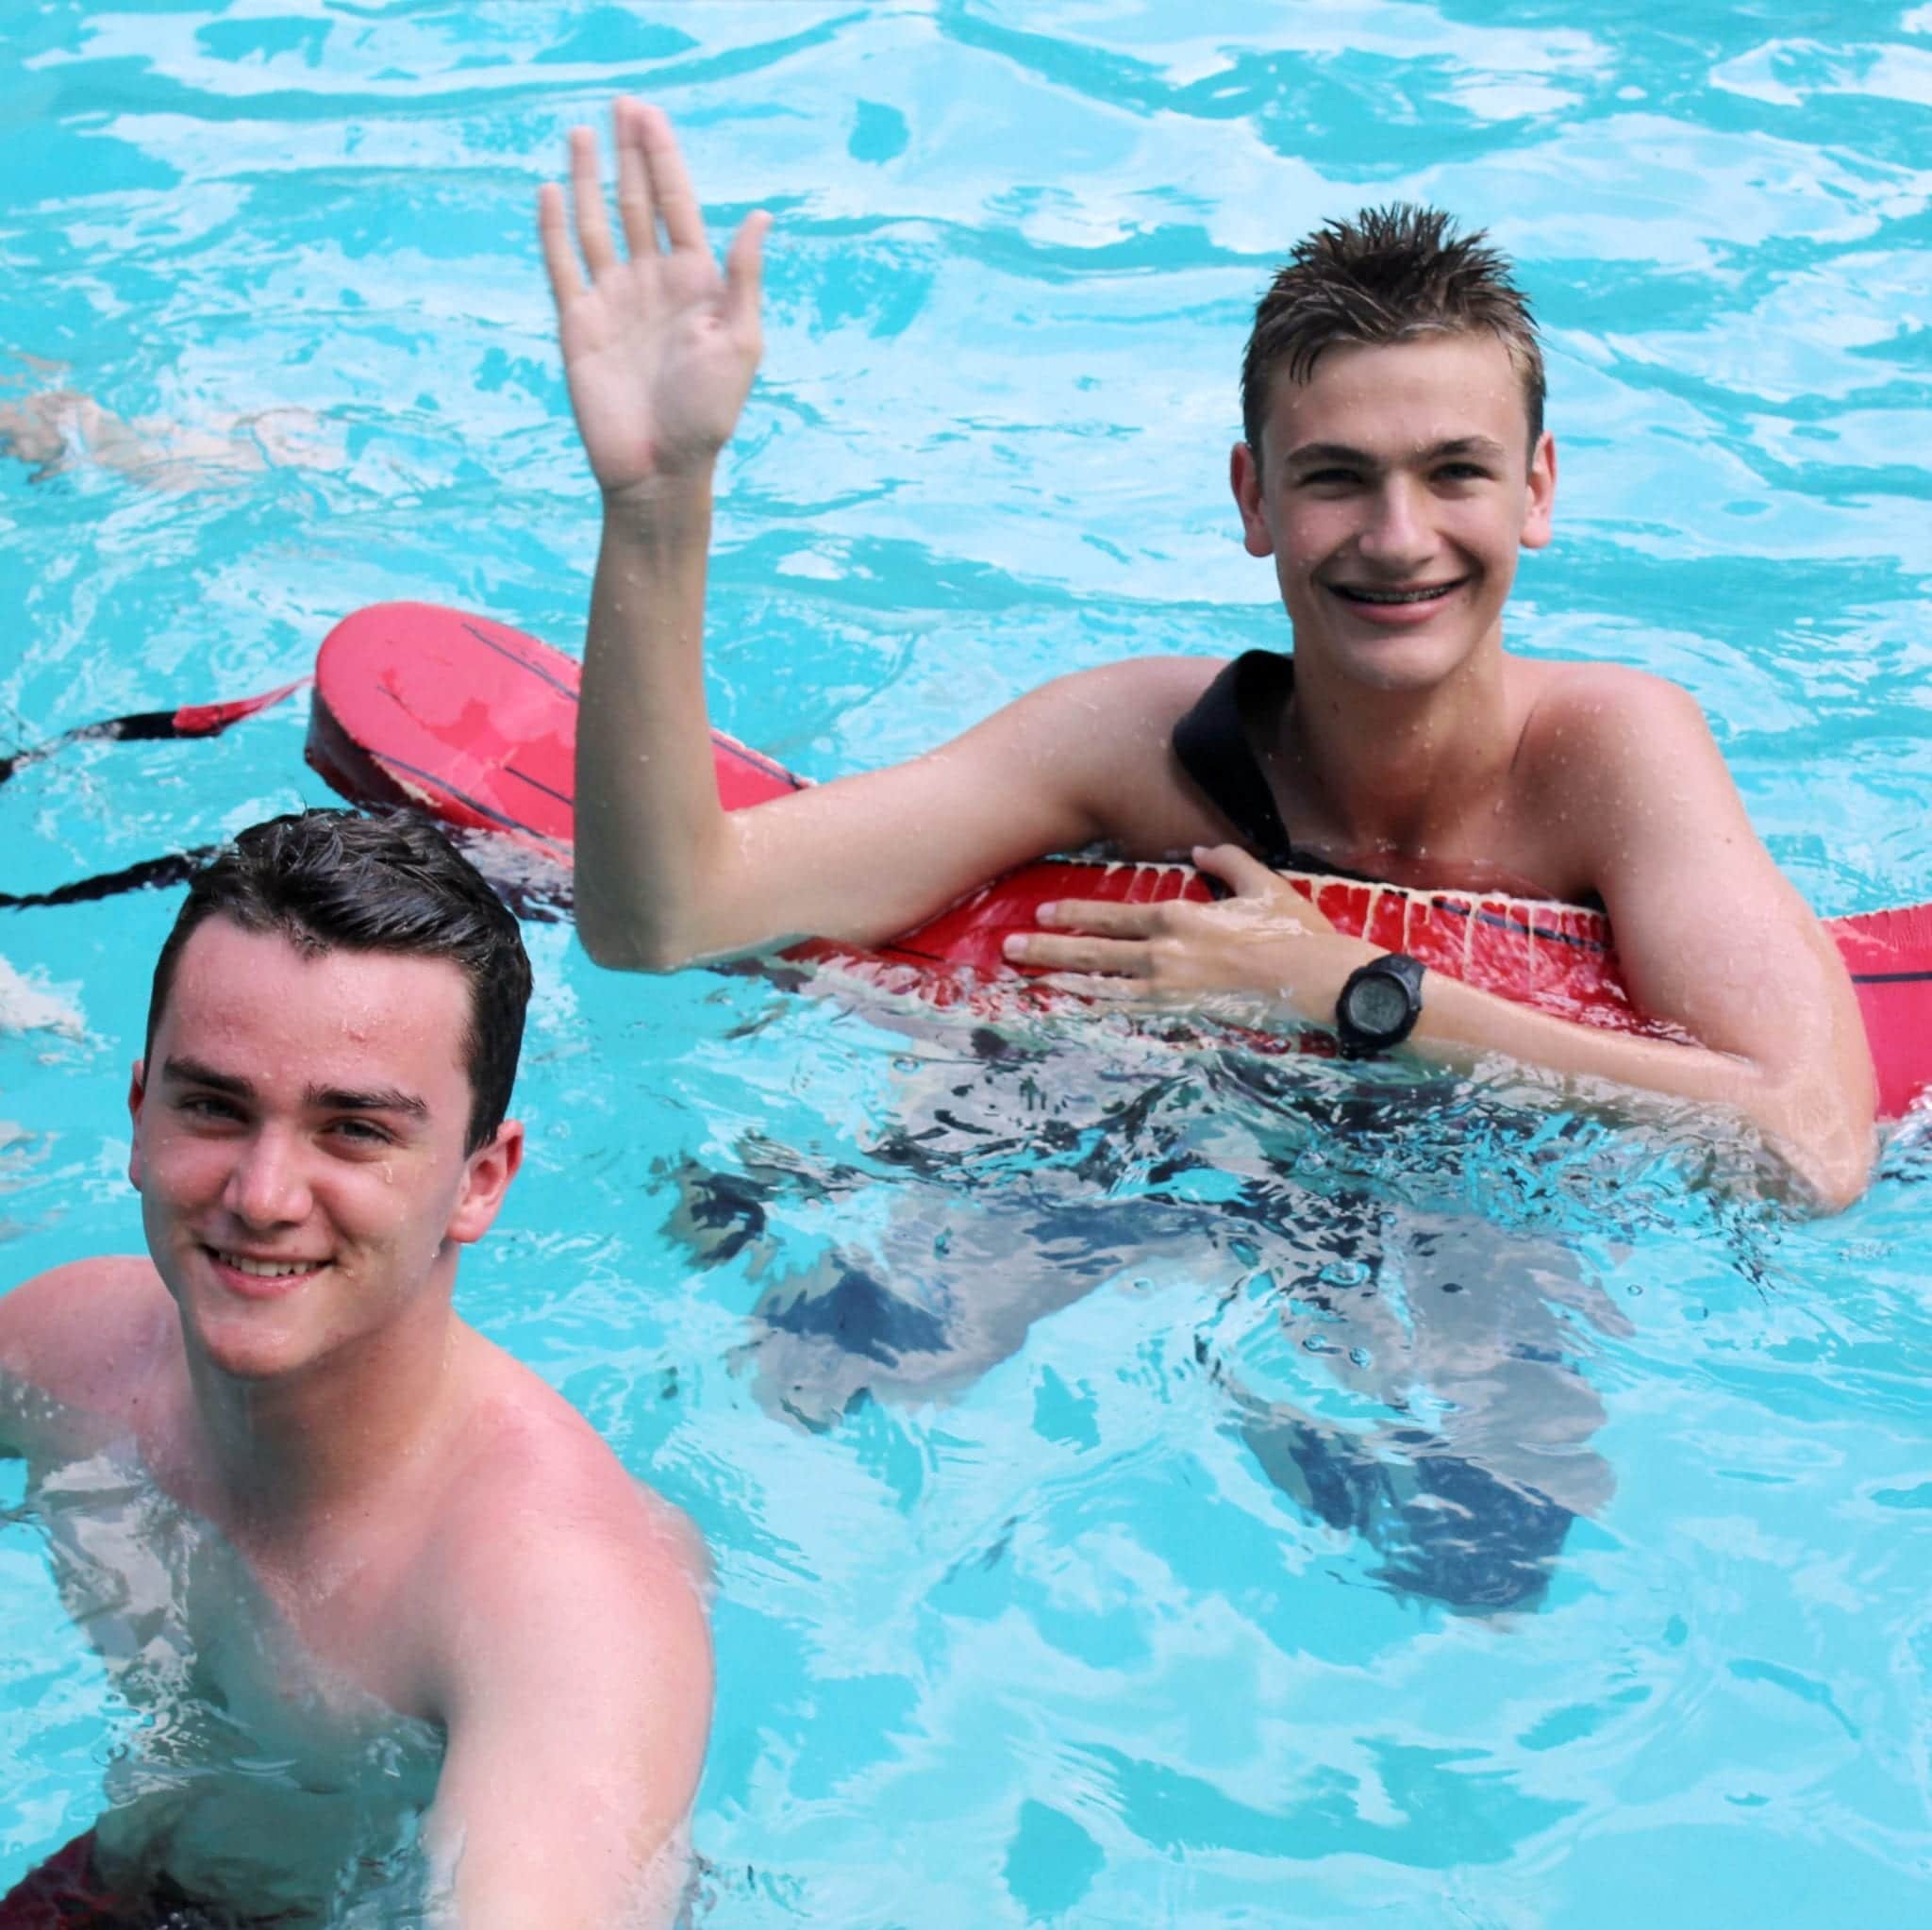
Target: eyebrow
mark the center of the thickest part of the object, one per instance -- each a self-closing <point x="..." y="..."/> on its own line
<point x="1360" y="458"/>
<point x="382" y="1099"/>
<point x="194" y="1071"/>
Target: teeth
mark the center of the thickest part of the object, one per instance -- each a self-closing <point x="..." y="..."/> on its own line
<point x="1397" y="596"/>
<point x="265" y="1270"/>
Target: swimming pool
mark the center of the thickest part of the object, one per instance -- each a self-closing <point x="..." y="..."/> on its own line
<point x="1102" y="1615"/>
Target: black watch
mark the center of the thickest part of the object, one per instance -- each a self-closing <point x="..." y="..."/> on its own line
<point x="1379" y="1004"/>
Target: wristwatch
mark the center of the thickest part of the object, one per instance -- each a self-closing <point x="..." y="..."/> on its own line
<point x="1379" y="1004"/>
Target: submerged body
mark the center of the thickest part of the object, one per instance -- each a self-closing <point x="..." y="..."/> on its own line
<point x="1007" y="1187"/>
<point x="294" y="1692"/>
<point x="252" y="1769"/>
<point x="60" y="431"/>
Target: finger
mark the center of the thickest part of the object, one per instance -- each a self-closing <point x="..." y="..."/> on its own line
<point x="1240" y="870"/>
<point x="1115" y="957"/>
<point x="744" y="274"/>
<point x="677" y="203"/>
<point x="586" y="192"/>
<point x="553" y="232"/>
<point x="1105" y="916"/>
<point x="634" y="205"/>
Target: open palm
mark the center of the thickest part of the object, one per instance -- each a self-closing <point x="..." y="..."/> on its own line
<point x="659" y="348"/>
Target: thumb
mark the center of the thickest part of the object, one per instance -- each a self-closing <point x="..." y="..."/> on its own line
<point x="1241" y="871"/>
<point x="744" y="270"/>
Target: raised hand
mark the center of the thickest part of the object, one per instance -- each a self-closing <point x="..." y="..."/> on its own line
<point x="659" y="347"/>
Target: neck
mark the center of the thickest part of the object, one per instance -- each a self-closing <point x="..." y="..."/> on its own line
<point x="283" y="1453"/>
<point x="1388" y="770"/>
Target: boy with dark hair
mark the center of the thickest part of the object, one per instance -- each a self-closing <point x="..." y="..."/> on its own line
<point x="349" y="1560"/>
<point x="1393" y="463"/>
<point x="329" y="880"/>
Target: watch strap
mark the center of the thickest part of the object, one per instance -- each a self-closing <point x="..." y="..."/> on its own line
<point x="1405" y="971"/>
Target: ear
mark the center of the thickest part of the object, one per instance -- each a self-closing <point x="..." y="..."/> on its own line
<point x="1542" y="497"/>
<point x="1244" y="479"/>
<point x="485" y="1179"/>
<point x="136" y="1091"/>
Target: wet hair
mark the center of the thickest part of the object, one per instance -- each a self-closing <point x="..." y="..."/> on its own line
<point x="1389" y="274"/>
<point x="390" y="882"/>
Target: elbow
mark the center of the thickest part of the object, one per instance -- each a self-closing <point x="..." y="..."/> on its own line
<point x="619" y="946"/>
<point x="1833" y="1153"/>
<point x="652" y="918"/>
<point x="1836" y="1180"/>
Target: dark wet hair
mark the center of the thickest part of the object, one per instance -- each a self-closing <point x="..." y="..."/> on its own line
<point x="1389" y="274"/>
<point x="350" y="881"/>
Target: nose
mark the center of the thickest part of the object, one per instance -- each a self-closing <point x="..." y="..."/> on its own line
<point x="1396" y="537"/>
<point x="266" y="1184"/>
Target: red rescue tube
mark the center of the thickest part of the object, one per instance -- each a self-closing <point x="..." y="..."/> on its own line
<point x="476" y="723"/>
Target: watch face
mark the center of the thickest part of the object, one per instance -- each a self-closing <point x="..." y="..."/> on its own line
<point x="1378" y="1006"/>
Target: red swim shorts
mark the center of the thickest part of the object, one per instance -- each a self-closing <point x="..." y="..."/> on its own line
<point x="66" y="1893"/>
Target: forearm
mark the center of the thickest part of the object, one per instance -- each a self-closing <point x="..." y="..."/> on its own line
<point x="1802" y="1109"/>
<point x="649" y="827"/>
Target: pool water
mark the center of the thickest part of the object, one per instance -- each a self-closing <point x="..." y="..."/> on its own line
<point x="1145" y="1488"/>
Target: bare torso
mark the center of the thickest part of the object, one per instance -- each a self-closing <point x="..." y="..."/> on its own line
<point x="253" y="1768"/>
<point x="1518" y="823"/>
<point x="299" y="1679"/>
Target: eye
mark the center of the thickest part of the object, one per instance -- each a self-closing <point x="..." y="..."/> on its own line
<point x="360" y="1133"/>
<point x="1462" y="472"/>
<point x="208" y="1108"/>
<point x="1327" y="479"/>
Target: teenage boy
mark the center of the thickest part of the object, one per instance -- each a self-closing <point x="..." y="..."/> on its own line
<point x="347" y="1558"/>
<point x="1393" y="462"/>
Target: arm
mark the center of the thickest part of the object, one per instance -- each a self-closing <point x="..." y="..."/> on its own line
<point x="1712" y="939"/>
<point x="659" y="350"/>
<point x="577" y="1696"/>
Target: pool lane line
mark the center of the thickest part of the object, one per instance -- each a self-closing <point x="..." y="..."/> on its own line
<point x="152" y="727"/>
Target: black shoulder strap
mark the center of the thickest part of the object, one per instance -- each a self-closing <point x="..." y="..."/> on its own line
<point x="1212" y="744"/>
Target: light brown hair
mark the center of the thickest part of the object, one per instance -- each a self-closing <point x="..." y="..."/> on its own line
<point x="1389" y="274"/>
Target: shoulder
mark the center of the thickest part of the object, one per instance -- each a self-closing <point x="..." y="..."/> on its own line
<point x="1624" y="767"/>
<point x="1092" y="716"/>
<point x="83" y="1332"/>
<point x="1610" y="709"/>
<point x="1612" y="739"/>
<point x="1160" y="683"/>
<point x="77" y="1345"/>
<point x="1590" y="700"/>
<point x="544" y="1541"/>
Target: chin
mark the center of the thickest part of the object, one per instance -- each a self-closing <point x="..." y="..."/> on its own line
<point x="250" y="1350"/>
<point x="1405" y="665"/>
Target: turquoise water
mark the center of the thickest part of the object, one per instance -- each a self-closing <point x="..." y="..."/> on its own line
<point x="1112" y="1599"/>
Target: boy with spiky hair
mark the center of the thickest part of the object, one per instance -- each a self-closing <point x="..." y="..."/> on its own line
<point x="1393" y="463"/>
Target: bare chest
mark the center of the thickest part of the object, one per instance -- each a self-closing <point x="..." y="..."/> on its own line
<point x="256" y="1766"/>
<point x="1504" y="838"/>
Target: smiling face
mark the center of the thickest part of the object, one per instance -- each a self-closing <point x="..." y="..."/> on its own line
<point x="1394" y="490"/>
<point x="298" y="1146"/>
